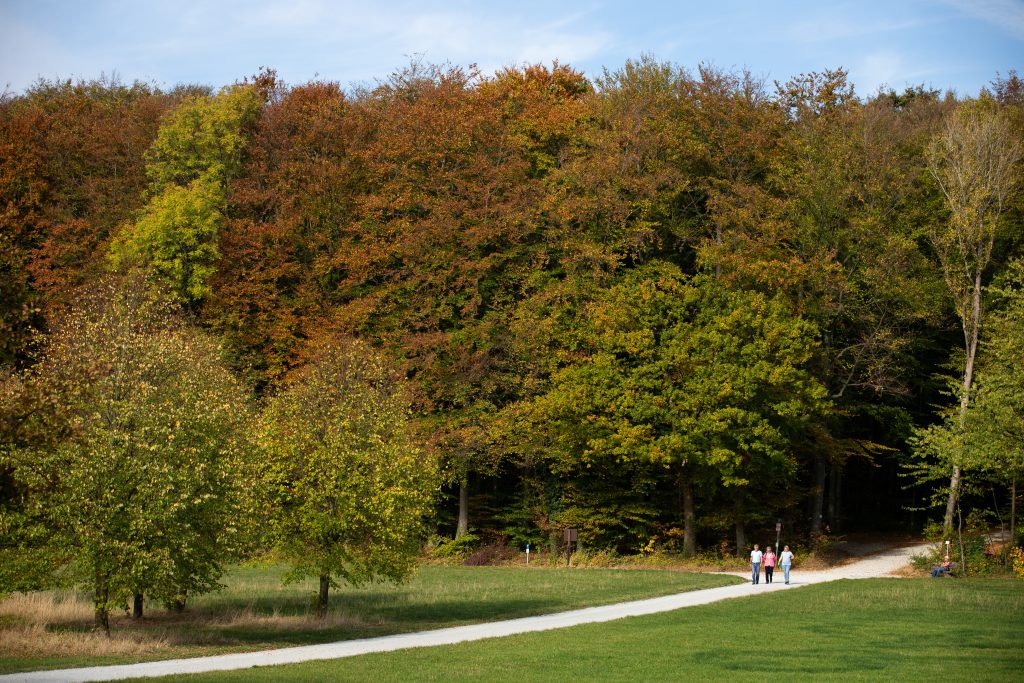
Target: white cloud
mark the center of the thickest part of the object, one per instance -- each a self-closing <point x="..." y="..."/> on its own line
<point x="881" y="68"/>
<point x="1007" y="15"/>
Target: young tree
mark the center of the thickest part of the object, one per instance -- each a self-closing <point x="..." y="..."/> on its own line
<point x="347" y="487"/>
<point x="974" y="161"/>
<point x="994" y="422"/>
<point x="136" y="481"/>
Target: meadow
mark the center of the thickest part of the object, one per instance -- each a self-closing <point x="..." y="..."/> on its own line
<point x="863" y="630"/>
<point x="256" y="611"/>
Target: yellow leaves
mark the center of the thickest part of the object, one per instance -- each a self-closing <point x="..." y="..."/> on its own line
<point x="340" y="468"/>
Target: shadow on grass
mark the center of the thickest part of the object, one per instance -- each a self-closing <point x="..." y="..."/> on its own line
<point x="369" y="617"/>
<point x="255" y="611"/>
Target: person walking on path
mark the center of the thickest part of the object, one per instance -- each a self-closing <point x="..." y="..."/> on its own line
<point x="755" y="564"/>
<point x="786" y="561"/>
<point x="769" y="564"/>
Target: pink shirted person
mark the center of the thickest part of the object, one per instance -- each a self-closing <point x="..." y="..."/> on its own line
<point x="769" y="564"/>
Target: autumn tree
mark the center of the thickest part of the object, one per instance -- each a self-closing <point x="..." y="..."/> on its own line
<point x="974" y="162"/>
<point x="448" y="235"/>
<point x="625" y="184"/>
<point x="136" y="481"/>
<point x="276" y="280"/>
<point x="71" y="171"/>
<point x="347" y="488"/>
<point x="737" y="229"/>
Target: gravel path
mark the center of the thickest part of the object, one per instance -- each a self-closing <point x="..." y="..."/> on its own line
<point x="881" y="564"/>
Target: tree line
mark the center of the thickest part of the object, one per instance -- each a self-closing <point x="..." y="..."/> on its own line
<point x="662" y="307"/>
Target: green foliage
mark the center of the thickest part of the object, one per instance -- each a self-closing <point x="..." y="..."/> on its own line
<point x="970" y="546"/>
<point x="677" y="372"/>
<point x="936" y="447"/>
<point x="346" y="486"/>
<point x="985" y="437"/>
<point x="994" y="422"/>
<point x="682" y="371"/>
<point x="458" y="548"/>
<point x="135" y="467"/>
<point x="176" y="237"/>
<point x="203" y="136"/>
<point x="198" y="149"/>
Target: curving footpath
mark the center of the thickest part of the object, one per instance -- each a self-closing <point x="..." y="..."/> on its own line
<point x="882" y="564"/>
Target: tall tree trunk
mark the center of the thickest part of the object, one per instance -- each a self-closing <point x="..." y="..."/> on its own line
<point x="137" y="600"/>
<point x="972" y="327"/>
<point x="101" y="608"/>
<point x="741" y="530"/>
<point x="818" y="505"/>
<point x="835" y="480"/>
<point x="101" y="619"/>
<point x="689" y="521"/>
<point x="321" y="602"/>
<point x="463" y="526"/>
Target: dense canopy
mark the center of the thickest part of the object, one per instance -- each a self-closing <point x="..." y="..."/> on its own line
<point x="663" y="307"/>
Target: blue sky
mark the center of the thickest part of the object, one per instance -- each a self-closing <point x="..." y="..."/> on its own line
<point x="945" y="44"/>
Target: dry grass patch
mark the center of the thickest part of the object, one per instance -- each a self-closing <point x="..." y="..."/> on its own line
<point x="249" y="618"/>
<point x="57" y="624"/>
<point x="37" y="640"/>
<point x="907" y="572"/>
<point x="50" y="607"/>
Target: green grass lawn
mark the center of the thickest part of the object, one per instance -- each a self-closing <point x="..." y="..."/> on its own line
<point x="256" y="612"/>
<point x="866" y="630"/>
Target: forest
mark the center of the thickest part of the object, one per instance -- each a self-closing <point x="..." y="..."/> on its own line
<point x="666" y="308"/>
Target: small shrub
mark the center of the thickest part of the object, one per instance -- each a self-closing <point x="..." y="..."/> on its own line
<point x="934" y="531"/>
<point x="602" y="558"/>
<point x="454" y="548"/>
<point x="491" y="554"/>
<point x="720" y="559"/>
<point x="925" y="562"/>
<point x="1018" y="562"/>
